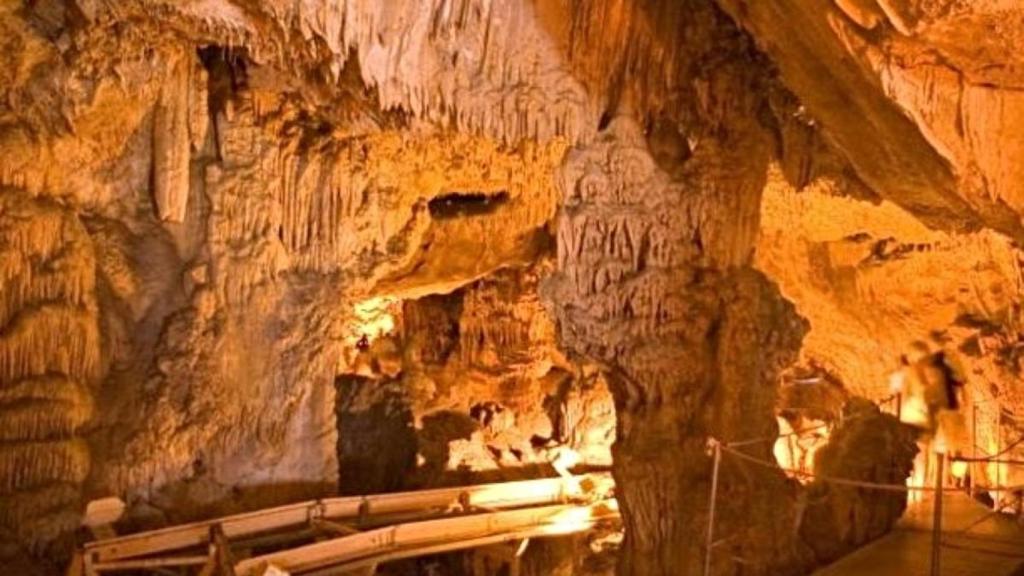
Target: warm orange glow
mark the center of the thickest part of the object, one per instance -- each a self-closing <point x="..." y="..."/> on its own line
<point x="918" y="477"/>
<point x="373" y="318"/>
<point x="995" y="472"/>
<point x="795" y="450"/>
<point x="581" y="518"/>
<point x="565" y="458"/>
<point x="897" y="382"/>
<point x="959" y="469"/>
<point x="915" y="411"/>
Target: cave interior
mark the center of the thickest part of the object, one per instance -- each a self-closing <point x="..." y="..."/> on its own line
<point x="487" y="287"/>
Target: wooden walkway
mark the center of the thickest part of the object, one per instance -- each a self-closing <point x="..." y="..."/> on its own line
<point x="355" y="534"/>
<point x="975" y="542"/>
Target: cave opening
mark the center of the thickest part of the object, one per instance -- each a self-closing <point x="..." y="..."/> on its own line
<point x="461" y="204"/>
<point x="376" y="439"/>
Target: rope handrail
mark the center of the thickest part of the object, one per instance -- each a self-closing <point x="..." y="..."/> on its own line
<point x="993" y="458"/>
<point x="771" y="439"/>
<point x="730" y="449"/>
<point x="987" y="460"/>
<point x="1002" y="452"/>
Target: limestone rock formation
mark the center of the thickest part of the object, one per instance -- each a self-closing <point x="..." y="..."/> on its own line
<point x="49" y="362"/>
<point x="922" y="97"/>
<point x="875" y="280"/>
<point x="868" y="447"/>
<point x="475" y="384"/>
<point x="243" y="243"/>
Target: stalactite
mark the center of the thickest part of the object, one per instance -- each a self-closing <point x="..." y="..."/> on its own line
<point x="478" y="66"/>
<point x="172" y="144"/>
<point x="40" y="515"/>
<point x="307" y="202"/>
<point x="24" y="465"/>
<point x="49" y="355"/>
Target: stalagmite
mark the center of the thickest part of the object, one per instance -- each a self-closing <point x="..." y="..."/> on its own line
<point x="674" y="335"/>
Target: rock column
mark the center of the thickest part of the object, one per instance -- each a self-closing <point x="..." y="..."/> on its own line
<point x="654" y="283"/>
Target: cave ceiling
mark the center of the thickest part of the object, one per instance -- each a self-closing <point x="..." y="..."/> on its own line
<point x="205" y="203"/>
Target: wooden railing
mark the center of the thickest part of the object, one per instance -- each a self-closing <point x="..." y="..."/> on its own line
<point x="350" y="532"/>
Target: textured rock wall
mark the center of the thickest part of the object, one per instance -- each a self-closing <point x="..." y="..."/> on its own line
<point x="481" y="389"/>
<point x="235" y="215"/>
<point x="206" y="205"/>
<point x="49" y="362"/>
<point x="923" y="97"/>
<point x="662" y="299"/>
<point x="300" y="226"/>
<point x="871" y="279"/>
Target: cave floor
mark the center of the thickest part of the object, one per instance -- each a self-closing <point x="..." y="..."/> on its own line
<point x="975" y="542"/>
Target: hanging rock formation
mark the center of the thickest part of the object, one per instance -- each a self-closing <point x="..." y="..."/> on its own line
<point x="243" y="240"/>
<point x="49" y="363"/>
<point x="923" y="97"/>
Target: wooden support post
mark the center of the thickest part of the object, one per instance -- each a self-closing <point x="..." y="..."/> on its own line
<point x="501" y="554"/>
<point x="711" y="507"/>
<point x="937" y="517"/>
<point x="88" y="559"/>
<point x="210" y="568"/>
<point x="225" y="560"/>
<point x="363" y="512"/>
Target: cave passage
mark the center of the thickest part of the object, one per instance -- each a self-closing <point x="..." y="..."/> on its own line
<point x="511" y="267"/>
<point x="376" y="438"/>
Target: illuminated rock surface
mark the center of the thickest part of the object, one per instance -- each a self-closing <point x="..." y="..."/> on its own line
<point x="254" y="251"/>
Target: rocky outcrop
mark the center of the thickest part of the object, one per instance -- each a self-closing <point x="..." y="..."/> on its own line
<point x="922" y="97"/>
<point x="235" y="229"/>
<point x="868" y="447"/>
<point x="49" y="366"/>
<point x="871" y="280"/>
<point x="476" y="389"/>
<point x="667" y="306"/>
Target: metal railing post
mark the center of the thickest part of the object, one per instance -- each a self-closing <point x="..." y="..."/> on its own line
<point x="711" y="505"/>
<point x="999" y="450"/>
<point x="937" y="517"/>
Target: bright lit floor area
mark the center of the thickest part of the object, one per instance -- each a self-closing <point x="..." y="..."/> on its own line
<point x="975" y="542"/>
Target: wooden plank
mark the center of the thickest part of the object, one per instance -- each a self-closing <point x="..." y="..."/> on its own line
<point x="446" y="533"/>
<point x="496" y="496"/>
<point x="222" y="551"/>
<point x="197" y="533"/>
<point x="416" y="552"/>
<point x="145" y="563"/>
<point x="331" y="527"/>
